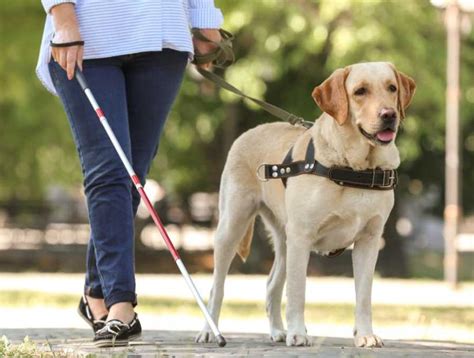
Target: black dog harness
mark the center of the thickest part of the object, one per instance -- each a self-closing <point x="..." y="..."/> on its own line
<point x="372" y="179"/>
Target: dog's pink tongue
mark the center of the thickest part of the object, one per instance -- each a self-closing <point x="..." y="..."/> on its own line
<point x="385" y="136"/>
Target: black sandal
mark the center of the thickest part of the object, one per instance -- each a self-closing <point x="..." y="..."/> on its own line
<point x="85" y="312"/>
<point x="116" y="333"/>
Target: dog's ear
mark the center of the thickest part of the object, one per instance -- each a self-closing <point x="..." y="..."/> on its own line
<point x="406" y="90"/>
<point x="331" y="95"/>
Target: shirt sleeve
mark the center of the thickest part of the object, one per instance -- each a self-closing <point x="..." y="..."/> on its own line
<point x="48" y="4"/>
<point x="204" y="15"/>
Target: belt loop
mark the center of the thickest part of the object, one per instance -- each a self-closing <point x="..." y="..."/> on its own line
<point x="373" y="178"/>
<point x="391" y="179"/>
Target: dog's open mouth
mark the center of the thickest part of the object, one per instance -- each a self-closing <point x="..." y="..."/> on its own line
<point x="384" y="136"/>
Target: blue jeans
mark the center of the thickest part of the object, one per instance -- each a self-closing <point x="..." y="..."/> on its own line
<point x="136" y="93"/>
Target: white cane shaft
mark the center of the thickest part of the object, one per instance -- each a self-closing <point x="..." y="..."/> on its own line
<point x="91" y="99"/>
<point x="117" y="146"/>
<point x="110" y="133"/>
<point x="198" y="298"/>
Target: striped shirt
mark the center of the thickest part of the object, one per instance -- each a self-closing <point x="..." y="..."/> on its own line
<point x="119" y="27"/>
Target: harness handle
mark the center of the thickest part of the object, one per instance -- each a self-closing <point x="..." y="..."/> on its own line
<point x="223" y="56"/>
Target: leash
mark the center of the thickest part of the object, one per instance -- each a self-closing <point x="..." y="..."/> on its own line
<point x="222" y="57"/>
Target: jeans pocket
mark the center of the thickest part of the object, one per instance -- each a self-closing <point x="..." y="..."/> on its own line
<point x="54" y="72"/>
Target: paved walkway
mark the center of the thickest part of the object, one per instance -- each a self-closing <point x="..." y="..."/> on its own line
<point x="76" y="343"/>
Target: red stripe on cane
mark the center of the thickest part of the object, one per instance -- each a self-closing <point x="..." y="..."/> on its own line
<point x="135" y="179"/>
<point x="159" y="224"/>
<point x="99" y="113"/>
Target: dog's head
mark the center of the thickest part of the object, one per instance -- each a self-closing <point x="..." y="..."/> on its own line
<point x="371" y="97"/>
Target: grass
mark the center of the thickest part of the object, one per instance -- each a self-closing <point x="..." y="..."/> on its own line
<point x="26" y="349"/>
<point x="387" y="315"/>
<point x="30" y="349"/>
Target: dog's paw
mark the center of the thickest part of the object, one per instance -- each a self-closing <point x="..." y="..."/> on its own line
<point x="278" y="335"/>
<point x="205" y="336"/>
<point x="368" y="341"/>
<point x="298" y="340"/>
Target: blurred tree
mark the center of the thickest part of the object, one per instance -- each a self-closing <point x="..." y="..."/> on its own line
<point x="36" y="148"/>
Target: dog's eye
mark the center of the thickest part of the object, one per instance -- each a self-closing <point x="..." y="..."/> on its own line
<point x="360" y="91"/>
<point x="392" y="88"/>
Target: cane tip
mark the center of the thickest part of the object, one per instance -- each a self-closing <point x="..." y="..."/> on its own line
<point x="221" y="340"/>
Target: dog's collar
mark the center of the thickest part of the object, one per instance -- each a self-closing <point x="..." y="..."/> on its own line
<point x="372" y="179"/>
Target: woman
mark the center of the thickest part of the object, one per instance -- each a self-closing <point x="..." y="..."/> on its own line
<point x="133" y="54"/>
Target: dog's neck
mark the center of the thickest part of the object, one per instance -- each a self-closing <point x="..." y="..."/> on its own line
<point x="337" y="145"/>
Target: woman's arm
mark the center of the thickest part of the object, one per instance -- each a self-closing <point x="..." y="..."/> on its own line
<point x="66" y="30"/>
<point x="205" y="16"/>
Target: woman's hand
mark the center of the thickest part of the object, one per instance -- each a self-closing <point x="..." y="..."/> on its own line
<point x="204" y="47"/>
<point x="67" y="30"/>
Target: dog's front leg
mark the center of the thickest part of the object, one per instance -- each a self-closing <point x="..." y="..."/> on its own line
<point x="298" y="251"/>
<point x="364" y="257"/>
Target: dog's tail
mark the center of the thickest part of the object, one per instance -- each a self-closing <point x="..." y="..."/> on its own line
<point x="244" y="246"/>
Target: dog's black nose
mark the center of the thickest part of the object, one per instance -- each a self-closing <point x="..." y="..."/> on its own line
<point x="388" y="115"/>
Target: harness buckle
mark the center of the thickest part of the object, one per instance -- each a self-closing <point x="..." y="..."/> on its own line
<point x="391" y="176"/>
<point x="262" y="179"/>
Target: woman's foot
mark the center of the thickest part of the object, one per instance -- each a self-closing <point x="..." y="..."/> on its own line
<point x="122" y="311"/>
<point x="93" y="312"/>
<point x="97" y="306"/>
<point x="116" y="333"/>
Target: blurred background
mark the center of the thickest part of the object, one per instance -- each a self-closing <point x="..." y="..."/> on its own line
<point x="284" y="49"/>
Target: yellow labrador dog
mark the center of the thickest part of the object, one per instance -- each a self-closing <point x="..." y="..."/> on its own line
<point x="363" y="105"/>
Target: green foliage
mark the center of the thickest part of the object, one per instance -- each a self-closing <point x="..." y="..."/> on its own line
<point x="30" y="349"/>
<point x="429" y="264"/>
<point x="25" y="349"/>
<point x="35" y="144"/>
<point x="284" y="49"/>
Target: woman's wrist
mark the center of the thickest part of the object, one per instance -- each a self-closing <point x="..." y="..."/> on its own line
<point x="66" y="33"/>
<point x="202" y="47"/>
<point x="64" y="16"/>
